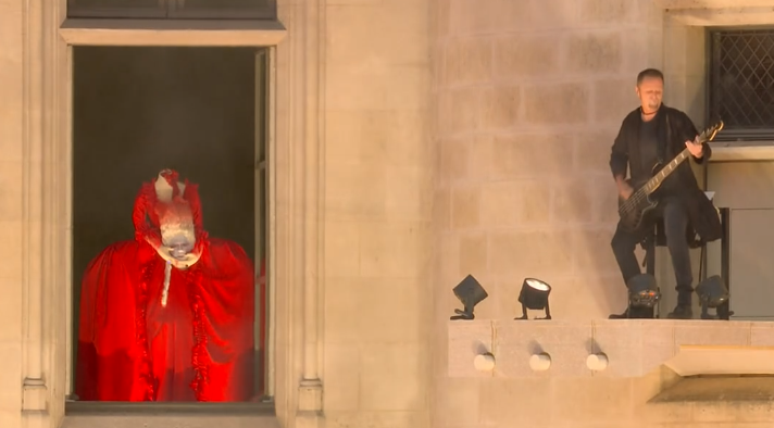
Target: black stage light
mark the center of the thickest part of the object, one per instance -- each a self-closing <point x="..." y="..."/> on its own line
<point x="470" y="293"/>
<point x="534" y="296"/>
<point x="643" y="291"/>
<point x="713" y="294"/>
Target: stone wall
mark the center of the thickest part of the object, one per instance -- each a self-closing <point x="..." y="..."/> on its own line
<point x="379" y="173"/>
<point x="10" y="212"/>
<point x="531" y="95"/>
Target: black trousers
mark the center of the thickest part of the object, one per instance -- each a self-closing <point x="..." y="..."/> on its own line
<point x="675" y="217"/>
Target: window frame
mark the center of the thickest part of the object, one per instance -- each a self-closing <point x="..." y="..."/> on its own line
<point x="739" y="135"/>
<point x="211" y="33"/>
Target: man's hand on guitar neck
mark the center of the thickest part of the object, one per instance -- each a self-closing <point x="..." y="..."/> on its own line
<point x="624" y="189"/>
<point x="695" y="147"/>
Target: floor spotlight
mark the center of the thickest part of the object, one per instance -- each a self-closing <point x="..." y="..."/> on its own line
<point x="534" y="296"/>
<point x="713" y="294"/>
<point x="643" y="296"/>
<point x="470" y="293"/>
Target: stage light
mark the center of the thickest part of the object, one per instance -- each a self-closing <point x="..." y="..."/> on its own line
<point x="643" y="291"/>
<point x="534" y="296"/>
<point x="597" y="362"/>
<point x="540" y="362"/>
<point x="470" y="293"/>
<point x="713" y="294"/>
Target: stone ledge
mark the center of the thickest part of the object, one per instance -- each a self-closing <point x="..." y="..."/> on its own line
<point x="721" y="360"/>
<point x="710" y="4"/>
<point x="725" y="389"/>
<point x="165" y="32"/>
<point x="167" y="421"/>
<point x="165" y="415"/>
<point x="736" y="16"/>
<point x="742" y="151"/>
<point x="633" y="347"/>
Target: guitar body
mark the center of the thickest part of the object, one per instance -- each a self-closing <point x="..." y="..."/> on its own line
<point x="636" y="210"/>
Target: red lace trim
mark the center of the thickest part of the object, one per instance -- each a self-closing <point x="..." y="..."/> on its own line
<point x="141" y="324"/>
<point x="200" y="357"/>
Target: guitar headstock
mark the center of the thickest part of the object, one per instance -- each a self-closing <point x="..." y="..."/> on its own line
<point x="710" y="133"/>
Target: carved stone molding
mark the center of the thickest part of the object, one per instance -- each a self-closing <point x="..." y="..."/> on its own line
<point x="307" y="175"/>
<point x="710" y="4"/>
<point x="730" y="16"/>
<point x="44" y="185"/>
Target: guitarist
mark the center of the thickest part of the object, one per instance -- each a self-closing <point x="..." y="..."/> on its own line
<point x="652" y="135"/>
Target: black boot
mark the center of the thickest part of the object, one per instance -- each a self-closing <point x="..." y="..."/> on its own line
<point x="683" y="309"/>
<point x="634" y="312"/>
<point x="621" y="316"/>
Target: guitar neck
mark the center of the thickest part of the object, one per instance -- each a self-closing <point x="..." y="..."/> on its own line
<point x="669" y="168"/>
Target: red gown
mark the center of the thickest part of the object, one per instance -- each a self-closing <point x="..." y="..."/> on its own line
<point x="197" y="348"/>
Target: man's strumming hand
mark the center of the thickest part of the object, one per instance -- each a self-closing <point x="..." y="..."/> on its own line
<point x="624" y="190"/>
<point x="695" y="147"/>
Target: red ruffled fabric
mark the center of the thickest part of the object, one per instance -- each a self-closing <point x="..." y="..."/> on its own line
<point x="200" y="347"/>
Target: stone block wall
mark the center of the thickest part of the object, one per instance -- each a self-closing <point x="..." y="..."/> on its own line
<point x="378" y="235"/>
<point x="11" y="203"/>
<point x="530" y="95"/>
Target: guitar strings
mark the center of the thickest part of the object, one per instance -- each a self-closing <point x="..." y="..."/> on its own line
<point x="638" y="196"/>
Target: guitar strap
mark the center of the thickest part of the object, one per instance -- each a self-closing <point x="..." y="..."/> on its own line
<point x="635" y="148"/>
<point x="667" y="137"/>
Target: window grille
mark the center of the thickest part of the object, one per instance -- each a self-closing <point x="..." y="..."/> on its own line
<point x="173" y="9"/>
<point x="742" y="83"/>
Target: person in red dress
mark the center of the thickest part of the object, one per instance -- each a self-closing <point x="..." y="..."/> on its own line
<point x="168" y="316"/>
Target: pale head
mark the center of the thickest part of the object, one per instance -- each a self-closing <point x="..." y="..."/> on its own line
<point x="650" y="89"/>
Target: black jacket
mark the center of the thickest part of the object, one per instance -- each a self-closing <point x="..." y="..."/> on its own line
<point x="674" y="128"/>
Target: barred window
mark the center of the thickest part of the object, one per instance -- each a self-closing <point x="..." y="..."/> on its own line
<point x="742" y="83"/>
<point x="173" y="9"/>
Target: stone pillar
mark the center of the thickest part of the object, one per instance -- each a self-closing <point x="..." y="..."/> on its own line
<point x="310" y="388"/>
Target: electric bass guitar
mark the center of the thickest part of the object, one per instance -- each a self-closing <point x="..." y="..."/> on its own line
<point x="635" y="209"/>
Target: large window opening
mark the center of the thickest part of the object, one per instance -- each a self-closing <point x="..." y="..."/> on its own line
<point x="200" y="112"/>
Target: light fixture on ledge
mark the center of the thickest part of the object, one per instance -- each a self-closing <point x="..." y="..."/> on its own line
<point x="540" y="362"/>
<point x="597" y="362"/>
<point x="713" y="294"/>
<point x="534" y="296"/>
<point x="484" y="362"/>
<point x="643" y="296"/>
<point x="470" y="293"/>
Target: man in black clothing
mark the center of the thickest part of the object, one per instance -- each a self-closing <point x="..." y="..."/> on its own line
<point x="654" y="134"/>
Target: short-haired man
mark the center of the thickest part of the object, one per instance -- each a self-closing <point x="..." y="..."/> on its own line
<point x="654" y="134"/>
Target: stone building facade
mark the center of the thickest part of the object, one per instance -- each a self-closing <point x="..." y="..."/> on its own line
<point x="414" y="142"/>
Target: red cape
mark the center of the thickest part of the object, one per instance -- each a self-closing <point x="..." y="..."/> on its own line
<point x="197" y="348"/>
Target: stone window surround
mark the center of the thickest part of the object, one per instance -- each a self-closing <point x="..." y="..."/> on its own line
<point x="682" y="15"/>
<point x="296" y="268"/>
